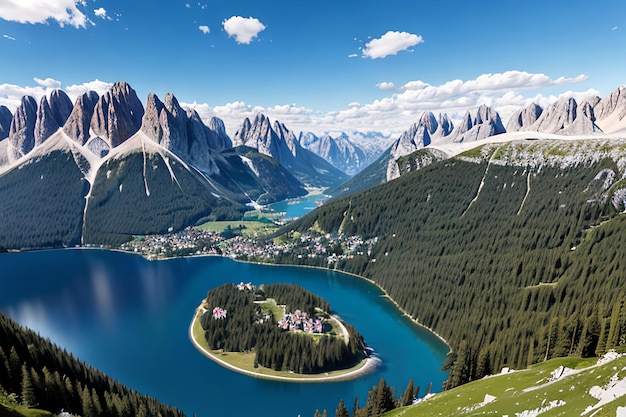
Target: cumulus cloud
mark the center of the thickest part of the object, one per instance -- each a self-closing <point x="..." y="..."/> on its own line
<point x="11" y="94"/>
<point x="506" y="92"/>
<point x="101" y="13"/>
<point x="48" y="82"/>
<point x="204" y="29"/>
<point x="386" y="85"/>
<point x="390" y="43"/>
<point x="243" y="29"/>
<point x="65" y="12"/>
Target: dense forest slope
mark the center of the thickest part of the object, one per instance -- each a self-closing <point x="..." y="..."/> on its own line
<point x="513" y="252"/>
<point x="35" y="372"/>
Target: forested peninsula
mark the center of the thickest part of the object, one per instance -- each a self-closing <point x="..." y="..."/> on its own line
<point x="279" y="330"/>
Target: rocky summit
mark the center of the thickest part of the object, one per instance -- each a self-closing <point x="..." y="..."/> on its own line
<point x="117" y="114"/>
<point x="77" y="124"/>
<point x="5" y="122"/>
<point x="22" y="132"/>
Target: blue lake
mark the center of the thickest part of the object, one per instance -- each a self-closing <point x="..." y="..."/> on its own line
<point x="298" y="207"/>
<point x="130" y="317"/>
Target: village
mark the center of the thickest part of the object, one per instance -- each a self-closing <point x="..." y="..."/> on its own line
<point x="300" y="321"/>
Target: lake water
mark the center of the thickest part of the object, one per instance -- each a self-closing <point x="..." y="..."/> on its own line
<point x="298" y="207"/>
<point x="130" y="317"/>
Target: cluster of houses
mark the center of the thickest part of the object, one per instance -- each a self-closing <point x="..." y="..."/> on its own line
<point x="249" y="287"/>
<point x="300" y="320"/>
<point x="219" y="313"/>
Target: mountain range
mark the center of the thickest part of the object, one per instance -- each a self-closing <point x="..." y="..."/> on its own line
<point x="565" y="117"/>
<point x="106" y="167"/>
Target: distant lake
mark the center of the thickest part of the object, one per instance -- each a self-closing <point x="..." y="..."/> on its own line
<point x="298" y="207"/>
<point x="130" y="317"/>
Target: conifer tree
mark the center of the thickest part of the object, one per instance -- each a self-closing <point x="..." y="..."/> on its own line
<point x="342" y="411"/>
<point x="409" y="394"/>
<point x="28" y="392"/>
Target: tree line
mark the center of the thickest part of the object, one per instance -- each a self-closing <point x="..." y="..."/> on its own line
<point x="35" y="372"/>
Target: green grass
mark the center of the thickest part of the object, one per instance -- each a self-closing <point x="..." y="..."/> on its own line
<point x="10" y="409"/>
<point x="249" y="228"/>
<point x="514" y="392"/>
<point x="270" y="306"/>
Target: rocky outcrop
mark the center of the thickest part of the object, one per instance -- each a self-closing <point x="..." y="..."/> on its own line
<point x="524" y="118"/>
<point x="22" y="131"/>
<point x="219" y="138"/>
<point x="77" y="124"/>
<point x="339" y="151"/>
<point x="566" y="117"/>
<point x="166" y="124"/>
<point x="117" y="115"/>
<point x="485" y="123"/>
<point x="5" y="122"/>
<point x="281" y="144"/>
<point x="51" y="115"/>
<point x="614" y="103"/>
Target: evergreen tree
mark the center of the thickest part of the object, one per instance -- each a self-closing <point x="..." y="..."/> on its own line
<point x="342" y="411"/>
<point x="28" y="392"/>
<point x="409" y="394"/>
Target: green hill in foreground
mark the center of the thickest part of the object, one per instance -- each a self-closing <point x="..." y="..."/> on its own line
<point x="563" y="386"/>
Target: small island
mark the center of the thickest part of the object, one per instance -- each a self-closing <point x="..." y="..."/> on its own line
<point x="278" y="331"/>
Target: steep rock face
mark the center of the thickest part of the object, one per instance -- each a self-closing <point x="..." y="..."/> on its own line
<point x="565" y="117"/>
<point x="77" y="124"/>
<point x="166" y="124"/>
<point x="445" y="125"/>
<point x="524" y="118"/>
<point x="45" y="125"/>
<point x="219" y="139"/>
<point x="117" y="114"/>
<point x="5" y="122"/>
<point x="339" y="151"/>
<point x="22" y="131"/>
<point x="282" y="145"/>
<point x="257" y="134"/>
<point x="485" y="123"/>
<point x="615" y="102"/>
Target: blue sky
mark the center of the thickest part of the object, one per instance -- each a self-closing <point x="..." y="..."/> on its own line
<point x="319" y="66"/>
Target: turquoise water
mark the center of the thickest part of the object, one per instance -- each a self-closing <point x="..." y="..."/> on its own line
<point x="298" y="207"/>
<point x="130" y="317"/>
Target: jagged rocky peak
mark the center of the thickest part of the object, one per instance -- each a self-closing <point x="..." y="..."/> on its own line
<point x="287" y="136"/>
<point x="166" y="123"/>
<point x="257" y="134"/>
<point x="485" y="123"/>
<point x="445" y="124"/>
<point x="615" y="102"/>
<point x="5" y="122"/>
<point x="221" y="139"/>
<point x="77" y="124"/>
<point x="566" y="117"/>
<point x="51" y="115"/>
<point x="22" y="131"/>
<point x="524" y="118"/>
<point x="117" y="114"/>
<point x="429" y="121"/>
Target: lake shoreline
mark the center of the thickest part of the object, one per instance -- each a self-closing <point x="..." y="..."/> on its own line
<point x="364" y="367"/>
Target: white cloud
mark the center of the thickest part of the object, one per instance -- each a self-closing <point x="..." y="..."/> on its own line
<point x="101" y="13"/>
<point x="614" y="28"/>
<point x="11" y="95"/>
<point x="243" y="29"/>
<point x="11" y="38"/>
<point x="188" y="6"/>
<point x="506" y="92"/>
<point x="48" y="82"/>
<point x="63" y="11"/>
<point x="353" y="55"/>
<point x="386" y="85"/>
<point x="390" y="43"/>
<point x="204" y="29"/>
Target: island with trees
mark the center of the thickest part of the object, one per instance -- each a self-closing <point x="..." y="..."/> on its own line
<point x="277" y="331"/>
